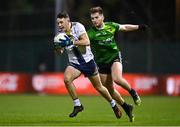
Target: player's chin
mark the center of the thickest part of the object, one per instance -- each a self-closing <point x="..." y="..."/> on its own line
<point x="97" y="25"/>
<point x="62" y="28"/>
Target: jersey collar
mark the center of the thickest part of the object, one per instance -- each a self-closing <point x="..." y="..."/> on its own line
<point x="100" y="28"/>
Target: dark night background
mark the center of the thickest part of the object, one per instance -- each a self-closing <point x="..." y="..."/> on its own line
<point x="27" y="28"/>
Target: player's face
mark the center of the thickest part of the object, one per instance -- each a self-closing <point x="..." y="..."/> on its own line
<point x="63" y="23"/>
<point x="97" y="19"/>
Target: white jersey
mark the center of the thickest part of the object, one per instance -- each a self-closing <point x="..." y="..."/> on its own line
<point x="77" y="30"/>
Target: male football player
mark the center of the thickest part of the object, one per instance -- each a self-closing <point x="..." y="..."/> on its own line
<point x="80" y="61"/>
<point x="108" y="56"/>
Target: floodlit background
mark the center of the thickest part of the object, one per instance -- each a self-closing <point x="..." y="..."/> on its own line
<point x="29" y="67"/>
<point x="27" y="28"/>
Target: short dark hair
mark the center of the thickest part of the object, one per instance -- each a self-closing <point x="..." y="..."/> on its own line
<point x="63" y="15"/>
<point x="96" y="9"/>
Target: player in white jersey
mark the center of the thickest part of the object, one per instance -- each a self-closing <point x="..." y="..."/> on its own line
<point x="80" y="61"/>
<point x="77" y="29"/>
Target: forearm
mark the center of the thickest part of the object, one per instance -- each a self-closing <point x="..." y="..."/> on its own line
<point x="129" y="27"/>
<point x="82" y="42"/>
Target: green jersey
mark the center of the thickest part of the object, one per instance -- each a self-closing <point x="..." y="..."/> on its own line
<point x="103" y="42"/>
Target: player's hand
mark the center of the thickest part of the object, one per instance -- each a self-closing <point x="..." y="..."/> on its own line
<point x="56" y="45"/>
<point x="58" y="50"/>
<point x="65" y="42"/>
<point x="143" y="27"/>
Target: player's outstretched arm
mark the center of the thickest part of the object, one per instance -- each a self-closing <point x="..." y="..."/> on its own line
<point x="130" y="27"/>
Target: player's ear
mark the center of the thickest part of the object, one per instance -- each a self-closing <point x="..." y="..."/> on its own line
<point x="68" y="19"/>
<point x="103" y="17"/>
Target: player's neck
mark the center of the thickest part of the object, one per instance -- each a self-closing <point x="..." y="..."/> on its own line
<point x="69" y="27"/>
<point x="100" y="27"/>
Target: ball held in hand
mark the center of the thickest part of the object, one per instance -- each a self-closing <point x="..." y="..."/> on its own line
<point x="62" y="40"/>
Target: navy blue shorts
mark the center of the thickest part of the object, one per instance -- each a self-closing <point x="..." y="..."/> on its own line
<point x="88" y="69"/>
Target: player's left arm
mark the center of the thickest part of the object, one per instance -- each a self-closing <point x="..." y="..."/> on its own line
<point x="130" y="27"/>
<point x="83" y="40"/>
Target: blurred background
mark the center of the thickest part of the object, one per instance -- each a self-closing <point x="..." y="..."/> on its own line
<point x="28" y="65"/>
<point x="27" y="28"/>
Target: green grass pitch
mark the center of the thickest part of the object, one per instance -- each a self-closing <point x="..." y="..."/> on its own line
<point x="30" y="110"/>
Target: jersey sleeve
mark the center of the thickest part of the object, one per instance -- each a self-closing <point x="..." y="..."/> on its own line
<point x="116" y="25"/>
<point x="81" y="29"/>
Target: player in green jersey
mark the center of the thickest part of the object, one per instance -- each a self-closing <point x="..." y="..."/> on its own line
<point x="108" y="56"/>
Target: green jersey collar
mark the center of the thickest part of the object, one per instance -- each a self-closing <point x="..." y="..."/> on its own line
<point x="100" y="28"/>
